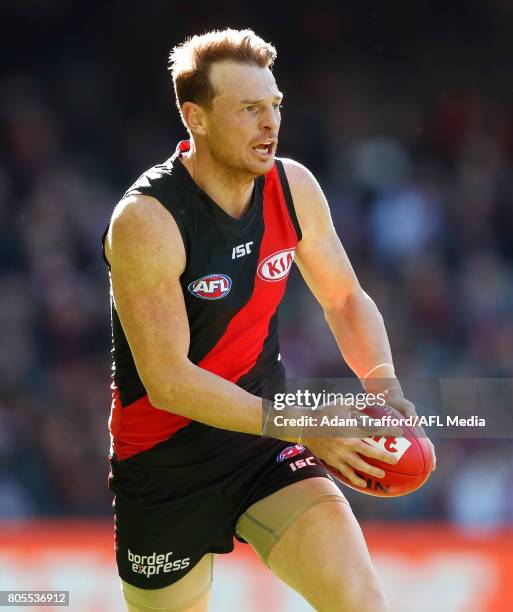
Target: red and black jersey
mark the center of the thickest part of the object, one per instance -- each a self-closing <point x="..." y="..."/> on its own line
<point x="234" y="280"/>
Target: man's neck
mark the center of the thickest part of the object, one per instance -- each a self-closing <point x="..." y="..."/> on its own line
<point x="231" y="192"/>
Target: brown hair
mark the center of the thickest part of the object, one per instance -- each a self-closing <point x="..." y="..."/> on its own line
<point x="190" y="61"/>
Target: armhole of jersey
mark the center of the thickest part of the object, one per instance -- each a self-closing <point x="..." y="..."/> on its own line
<point x="288" y="198"/>
<point x="103" y="246"/>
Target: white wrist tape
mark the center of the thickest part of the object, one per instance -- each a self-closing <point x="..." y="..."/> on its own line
<point x="376" y="367"/>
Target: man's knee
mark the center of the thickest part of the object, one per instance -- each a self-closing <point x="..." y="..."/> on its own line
<point x="358" y="591"/>
<point x="200" y="605"/>
<point x="360" y="594"/>
<point x="368" y="596"/>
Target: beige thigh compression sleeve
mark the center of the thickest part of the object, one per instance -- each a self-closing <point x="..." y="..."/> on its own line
<point x="178" y="596"/>
<point x="263" y="523"/>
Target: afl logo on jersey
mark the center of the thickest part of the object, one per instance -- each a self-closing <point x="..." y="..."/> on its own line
<point x="276" y="266"/>
<point x="211" y="287"/>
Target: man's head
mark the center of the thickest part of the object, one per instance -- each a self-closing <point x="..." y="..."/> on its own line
<point x="228" y="98"/>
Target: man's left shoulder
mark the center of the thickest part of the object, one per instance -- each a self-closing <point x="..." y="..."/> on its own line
<point x="303" y="185"/>
<point x="296" y="172"/>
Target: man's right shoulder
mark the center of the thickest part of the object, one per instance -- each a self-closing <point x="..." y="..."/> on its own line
<point x="137" y="208"/>
<point x="140" y="222"/>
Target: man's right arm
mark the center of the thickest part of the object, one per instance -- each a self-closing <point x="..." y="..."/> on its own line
<point x="147" y="256"/>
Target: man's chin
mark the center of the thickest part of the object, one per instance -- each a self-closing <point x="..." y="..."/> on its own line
<point x="259" y="168"/>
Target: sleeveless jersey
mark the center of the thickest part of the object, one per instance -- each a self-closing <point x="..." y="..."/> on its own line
<point x="234" y="280"/>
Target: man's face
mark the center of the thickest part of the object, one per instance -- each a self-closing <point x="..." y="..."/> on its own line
<point x="244" y="120"/>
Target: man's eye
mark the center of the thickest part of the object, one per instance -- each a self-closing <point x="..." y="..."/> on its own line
<point x="251" y="108"/>
<point x="278" y="107"/>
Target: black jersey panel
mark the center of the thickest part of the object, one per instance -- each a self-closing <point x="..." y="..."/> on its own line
<point x="125" y="373"/>
<point x="288" y="198"/>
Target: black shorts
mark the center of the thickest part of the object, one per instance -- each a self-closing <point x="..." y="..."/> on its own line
<point x="164" y="525"/>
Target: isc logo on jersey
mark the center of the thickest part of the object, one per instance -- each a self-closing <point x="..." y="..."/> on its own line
<point x="211" y="287"/>
<point x="276" y="266"/>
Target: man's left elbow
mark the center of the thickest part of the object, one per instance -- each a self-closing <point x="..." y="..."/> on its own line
<point x="354" y="298"/>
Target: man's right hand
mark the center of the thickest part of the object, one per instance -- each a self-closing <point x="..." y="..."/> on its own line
<point x="344" y="455"/>
<point x="344" y="452"/>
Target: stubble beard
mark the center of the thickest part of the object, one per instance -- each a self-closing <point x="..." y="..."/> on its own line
<point x="233" y="168"/>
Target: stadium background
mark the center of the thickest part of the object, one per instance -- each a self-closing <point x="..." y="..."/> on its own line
<point x="404" y="111"/>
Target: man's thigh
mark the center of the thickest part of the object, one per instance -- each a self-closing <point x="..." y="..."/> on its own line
<point x="307" y="534"/>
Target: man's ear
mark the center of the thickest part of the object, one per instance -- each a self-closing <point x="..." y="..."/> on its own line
<point x="194" y="118"/>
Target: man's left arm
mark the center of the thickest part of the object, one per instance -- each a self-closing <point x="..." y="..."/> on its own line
<point x="352" y="315"/>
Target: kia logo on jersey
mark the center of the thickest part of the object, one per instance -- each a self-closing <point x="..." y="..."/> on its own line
<point x="211" y="287"/>
<point x="276" y="266"/>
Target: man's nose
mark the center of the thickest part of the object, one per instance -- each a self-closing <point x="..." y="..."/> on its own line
<point x="270" y="119"/>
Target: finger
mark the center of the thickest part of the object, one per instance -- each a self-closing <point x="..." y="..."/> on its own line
<point x="433" y="453"/>
<point x="403" y="406"/>
<point x="356" y="462"/>
<point x="366" y="428"/>
<point x="374" y="453"/>
<point x="390" y="432"/>
<point x="387" y="432"/>
<point x="351" y="475"/>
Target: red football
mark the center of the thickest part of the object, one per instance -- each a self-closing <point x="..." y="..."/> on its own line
<point x="408" y="474"/>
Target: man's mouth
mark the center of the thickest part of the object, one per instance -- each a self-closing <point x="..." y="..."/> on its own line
<point x="264" y="148"/>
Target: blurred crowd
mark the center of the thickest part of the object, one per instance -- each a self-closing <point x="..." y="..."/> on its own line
<point x="411" y="137"/>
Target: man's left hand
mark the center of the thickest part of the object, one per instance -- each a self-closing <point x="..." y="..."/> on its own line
<point x="396" y="400"/>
